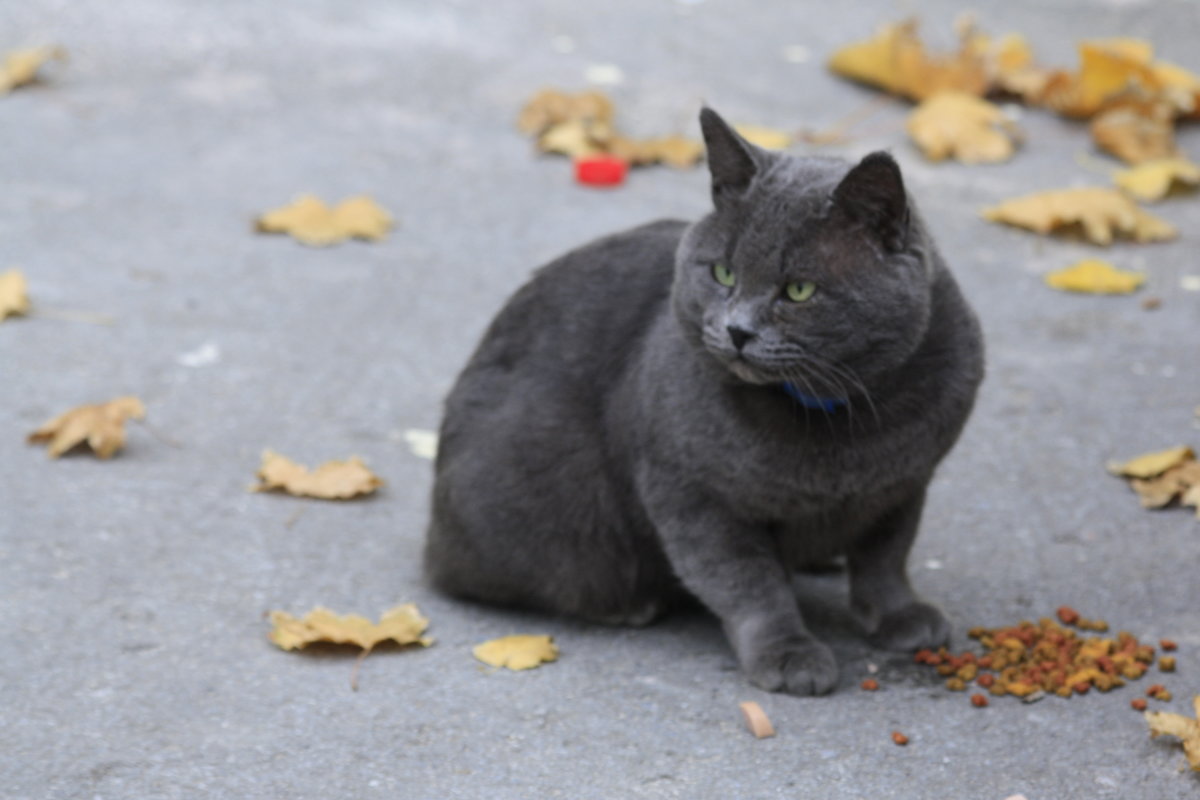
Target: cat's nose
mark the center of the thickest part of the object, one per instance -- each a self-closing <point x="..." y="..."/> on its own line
<point x="739" y="336"/>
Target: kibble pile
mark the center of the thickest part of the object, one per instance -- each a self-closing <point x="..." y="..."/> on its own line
<point x="1030" y="660"/>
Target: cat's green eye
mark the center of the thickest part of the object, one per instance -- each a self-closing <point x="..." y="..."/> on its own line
<point x="799" y="292"/>
<point x="723" y="275"/>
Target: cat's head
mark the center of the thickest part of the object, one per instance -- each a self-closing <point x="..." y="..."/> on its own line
<point x="808" y="271"/>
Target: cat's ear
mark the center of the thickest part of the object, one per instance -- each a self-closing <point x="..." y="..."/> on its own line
<point x="731" y="160"/>
<point x="872" y="194"/>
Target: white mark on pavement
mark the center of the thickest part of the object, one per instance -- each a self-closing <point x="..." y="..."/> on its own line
<point x="422" y="443"/>
<point x="202" y="356"/>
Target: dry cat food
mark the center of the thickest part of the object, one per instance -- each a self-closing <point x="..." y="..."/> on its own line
<point x="1030" y="660"/>
<point x="899" y="738"/>
<point x="757" y="720"/>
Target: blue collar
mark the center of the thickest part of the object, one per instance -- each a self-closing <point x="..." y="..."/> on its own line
<point x="826" y="404"/>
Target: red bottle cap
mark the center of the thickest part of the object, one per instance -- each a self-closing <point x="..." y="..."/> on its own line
<point x="600" y="170"/>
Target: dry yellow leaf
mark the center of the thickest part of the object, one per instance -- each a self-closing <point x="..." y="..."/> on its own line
<point x="517" y="652"/>
<point x="1180" y="86"/>
<point x="311" y="222"/>
<point x="1092" y="276"/>
<point x="14" y="294"/>
<point x="575" y="138"/>
<point x="101" y="426"/>
<point x="895" y="60"/>
<point x="1136" y="129"/>
<point x="1180" y="482"/>
<point x="1100" y="212"/>
<point x="1150" y="465"/>
<point x="1108" y="68"/>
<point x="551" y="107"/>
<point x="333" y="480"/>
<point x="581" y="126"/>
<point x="1191" y="496"/>
<point x="402" y="625"/>
<point x="674" y="151"/>
<point x="1152" y="180"/>
<point x="764" y="137"/>
<point x="961" y="126"/>
<point x="1013" y="69"/>
<point x="20" y="67"/>
<point x="1186" y="729"/>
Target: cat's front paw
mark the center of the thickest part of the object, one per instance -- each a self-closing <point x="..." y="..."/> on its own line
<point x="912" y="627"/>
<point x="800" y="667"/>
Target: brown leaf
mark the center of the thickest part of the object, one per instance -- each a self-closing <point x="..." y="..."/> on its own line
<point x="14" y="297"/>
<point x="101" y="427"/>
<point x="334" y="480"/>
<point x="1099" y="212"/>
<point x="311" y="222"/>
<point x="402" y="625"/>
<point x="20" y="67"/>
<point x="961" y="126"/>
<point x="581" y="126"/>
<point x="1136" y="131"/>
<point x="551" y="107"/>
<point x="517" y="652"/>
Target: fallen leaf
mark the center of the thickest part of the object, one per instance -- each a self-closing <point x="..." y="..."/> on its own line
<point x="1186" y="729"/>
<point x="14" y="297"/>
<point x="310" y="221"/>
<point x="1136" y="131"/>
<point x="581" y="126"/>
<point x="1100" y="212"/>
<point x="575" y="138"/>
<point x="1108" y="68"/>
<point x="20" y="67"/>
<point x="1153" y="180"/>
<point x="1092" y="276"/>
<point x="517" y="652"/>
<point x="1179" y="483"/>
<point x="764" y="137"/>
<point x="961" y="126"/>
<point x="1180" y="86"/>
<point x="1191" y="497"/>
<point x="1164" y="477"/>
<point x="101" y="426"/>
<point x="333" y="480"/>
<point x="674" y="151"/>
<point x="1150" y="465"/>
<point x="895" y="60"/>
<point x="551" y="107"/>
<point x="402" y="625"/>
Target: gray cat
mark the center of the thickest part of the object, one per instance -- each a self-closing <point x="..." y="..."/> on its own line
<point x="699" y="410"/>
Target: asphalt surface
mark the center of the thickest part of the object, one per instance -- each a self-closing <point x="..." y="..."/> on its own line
<point x="133" y="592"/>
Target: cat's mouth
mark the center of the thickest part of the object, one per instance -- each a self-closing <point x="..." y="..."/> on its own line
<point x="748" y="372"/>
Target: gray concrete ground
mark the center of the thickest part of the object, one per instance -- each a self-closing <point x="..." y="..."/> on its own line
<point x="133" y="592"/>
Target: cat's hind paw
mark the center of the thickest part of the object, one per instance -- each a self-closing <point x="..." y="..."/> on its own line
<point x="912" y="627"/>
<point x="802" y="668"/>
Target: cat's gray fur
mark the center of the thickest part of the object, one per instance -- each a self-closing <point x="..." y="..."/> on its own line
<point x="608" y="449"/>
